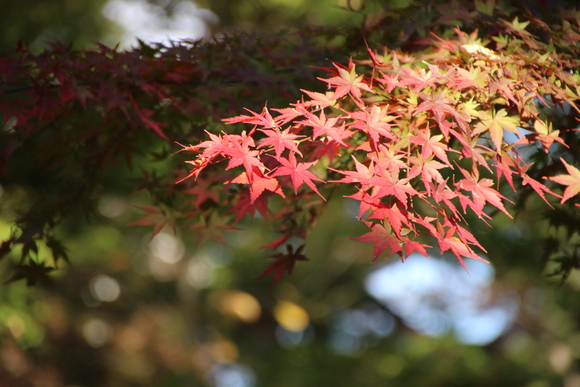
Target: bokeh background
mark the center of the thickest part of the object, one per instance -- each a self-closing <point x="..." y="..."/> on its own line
<point x="133" y="310"/>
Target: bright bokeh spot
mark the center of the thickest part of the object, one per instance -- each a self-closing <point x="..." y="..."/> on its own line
<point x="167" y="248"/>
<point x="200" y="274"/>
<point x="105" y="288"/>
<point x="289" y="339"/>
<point x="291" y="316"/>
<point x="434" y="297"/>
<point x="96" y="332"/>
<point x="231" y="375"/>
<point x="240" y="305"/>
<point x="150" y="22"/>
<point x="224" y="351"/>
<point x="16" y="325"/>
<point x="112" y="206"/>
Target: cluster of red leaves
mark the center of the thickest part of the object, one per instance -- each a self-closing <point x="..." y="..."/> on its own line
<point x="419" y="139"/>
<point x="68" y="115"/>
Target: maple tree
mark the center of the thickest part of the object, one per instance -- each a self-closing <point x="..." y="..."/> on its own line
<point x="424" y="135"/>
<point x="422" y="128"/>
<point x="420" y="138"/>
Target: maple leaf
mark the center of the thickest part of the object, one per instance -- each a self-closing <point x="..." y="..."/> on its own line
<point x="155" y="217"/>
<point x="212" y="227"/>
<point x="286" y="115"/>
<point x="448" y="241"/>
<point x="367" y="203"/>
<point x="374" y="122"/>
<point x="327" y="148"/>
<point x="572" y="180"/>
<point x="283" y="263"/>
<point x="280" y="141"/>
<point x="245" y="205"/>
<point x="431" y="145"/>
<point x="442" y="193"/>
<point x="240" y="153"/>
<point x="347" y="82"/>
<point x="481" y="192"/>
<point x="363" y="174"/>
<point x="390" y="184"/>
<point x="390" y="82"/>
<point x="505" y="87"/>
<point x="33" y="273"/>
<point x="211" y="149"/>
<point x="6" y="247"/>
<point x="540" y="188"/>
<point x="429" y="169"/>
<point x="422" y="79"/>
<point x="388" y="159"/>
<point x="383" y="238"/>
<point x="495" y="125"/>
<point x="544" y="134"/>
<point x="265" y="119"/>
<point x="57" y="248"/>
<point x="144" y="115"/>
<point x="259" y="183"/>
<point x="203" y="191"/>
<point x="324" y="126"/>
<point x="463" y="79"/>
<point x="320" y="100"/>
<point x="397" y="217"/>
<point x="298" y="172"/>
<point x="440" y="106"/>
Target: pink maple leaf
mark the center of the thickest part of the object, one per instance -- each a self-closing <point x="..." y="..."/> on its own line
<point x="280" y="140"/>
<point x="298" y="172"/>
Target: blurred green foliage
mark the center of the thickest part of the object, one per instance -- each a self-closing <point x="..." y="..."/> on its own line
<point x="38" y="23"/>
<point x="125" y="314"/>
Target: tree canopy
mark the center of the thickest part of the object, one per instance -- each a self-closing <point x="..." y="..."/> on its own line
<point x="441" y="125"/>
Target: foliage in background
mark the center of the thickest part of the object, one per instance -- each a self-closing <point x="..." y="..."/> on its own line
<point x="415" y="119"/>
<point x="87" y="132"/>
<point x="40" y="23"/>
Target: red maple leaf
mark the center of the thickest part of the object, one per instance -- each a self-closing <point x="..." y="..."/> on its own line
<point x="324" y="126"/>
<point x="320" y="100"/>
<point x="374" y="122"/>
<point x="428" y="169"/>
<point x="388" y="183"/>
<point x="155" y="217"/>
<point x="245" y="205"/>
<point x="481" y="192"/>
<point x="280" y="140"/>
<point x="432" y="145"/>
<point x="383" y="238"/>
<point x="396" y="216"/>
<point x="422" y="79"/>
<point x="442" y="193"/>
<point x="240" y="153"/>
<point x="259" y="183"/>
<point x="283" y="263"/>
<point x="448" y="241"/>
<point x="363" y="174"/>
<point x="265" y="119"/>
<point x="440" y="106"/>
<point x="348" y="81"/>
<point x="203" y="191"/>
<point x="298" y="172"/>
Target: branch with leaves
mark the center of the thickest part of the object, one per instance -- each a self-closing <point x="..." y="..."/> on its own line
<point x="420" y="141"/>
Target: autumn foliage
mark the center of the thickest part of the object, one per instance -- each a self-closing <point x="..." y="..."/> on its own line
<point x="453" y="126"/>
<point x="418" y="139"/>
